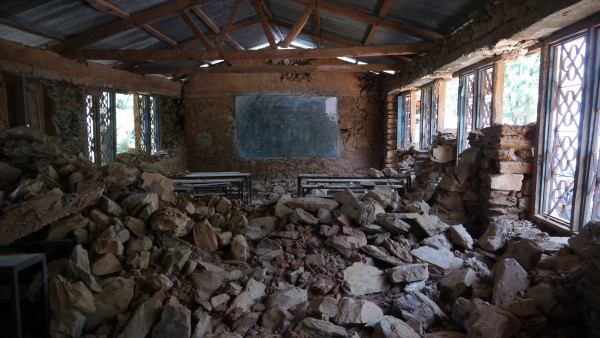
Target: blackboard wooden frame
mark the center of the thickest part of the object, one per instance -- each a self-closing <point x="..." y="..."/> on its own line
<point x="276" y="126"/>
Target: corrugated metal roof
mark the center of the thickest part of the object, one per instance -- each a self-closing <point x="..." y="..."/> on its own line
<point x="132" y="39"/>
<point x="25" y="38"/>
<point x="218" y="11"/>
<point x="174" y="27"/>
<point x="442" y="16"/>
<point x="250" y="37"/>
<point x="135" y="6"/>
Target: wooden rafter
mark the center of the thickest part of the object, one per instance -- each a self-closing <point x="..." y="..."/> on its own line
<point x="112" y="9"/>
<point x="260" y="54"/>
<point x="264" y="23"/>
<point x="382" y="11"/>
<point x="230" y="20"/>
<point x="269" y="16"/>
<point x="299" y="25"/>
<point x="136" y="20"/>
<point x="359" y="15"/>
<point x="199" y="34"/>
<point x="213" y="27"/>
<point x="349" y="68"/>
<point x="317" y="17"/>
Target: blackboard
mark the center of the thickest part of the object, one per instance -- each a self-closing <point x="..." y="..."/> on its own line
<point x="271" y="126"/>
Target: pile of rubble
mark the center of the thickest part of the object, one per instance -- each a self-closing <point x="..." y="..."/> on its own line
<point x="149" y="262"/>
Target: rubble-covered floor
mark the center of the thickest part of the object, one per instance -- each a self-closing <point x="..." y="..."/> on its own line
<point x="148" y="262"/>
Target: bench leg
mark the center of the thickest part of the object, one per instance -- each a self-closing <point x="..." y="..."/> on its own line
<point x="16" y="306"/>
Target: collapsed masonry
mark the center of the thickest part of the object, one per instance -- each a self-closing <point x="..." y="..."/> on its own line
<point x="149" y="262"/>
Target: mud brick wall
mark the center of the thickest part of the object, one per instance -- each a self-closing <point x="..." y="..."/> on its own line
<point x="210" y="132"/>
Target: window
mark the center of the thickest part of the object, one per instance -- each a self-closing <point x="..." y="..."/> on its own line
<point x="118" y="122"/>
<point x="521" y="89"/>
<point x="568" y="178"/>
<point x="475" y="103"/>
<point x="428" y="116"/>
<point x="451" y="110"/>
<point x="404" y="108"/>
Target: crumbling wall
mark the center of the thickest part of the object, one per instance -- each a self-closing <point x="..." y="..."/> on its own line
<point x="210" y="132"/>
<point x="172" y="139"/>
<point x="65" y="103"/>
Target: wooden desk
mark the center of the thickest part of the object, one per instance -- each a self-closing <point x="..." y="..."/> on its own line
<point x="230" y="184"/>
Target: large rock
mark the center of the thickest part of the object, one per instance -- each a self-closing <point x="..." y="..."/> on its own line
<point x="383" y="194"/>
<point x="141" y="322"/>
<point x="393" y="223"/>
<point x="321" y="328"/>
<point x="495" y="235"/>
<point x="324" y="306"/>
<point x="459" y="236"/>
<point x="509" y="280"/>
<point x="506" y="182"/>
<point x="381" y="254"/>
<point x="253" y="291"/>
<point x="141" y="205"/>
<point x="63" y="228"/>
<point x="204" y="325"/>
<point x="527" y="252"/>
<point x="416" y="305"/>
<point x="205" y="237"/>
<point x="409" y="273"/>
<point x="172" y="221"/>
<point x="175" y="321"/>
<point x="488" y="321"/>
<point x="456" y="283"/>
<point x="439" y="241"/>
<point x="361" y="212"/>
<point x="287" y="298"/>
<point x="240" y="251"/>
<point x="590" y="233"/>
<point x="356" y="311"/>
<point x="174" y="259"/>
<point x="106" y="264"/>
<point x="276" y="318"/>
<point x="210" y="281"/>
<point x="114" y="299"/>
<point x="65" y="295"/>
<point x="430" y="225"/>
<point x="347" y="244"/>
<point x="310" y="203"/>
<point x="392" y="327"/>
<point x="361" y="279"/>
<point x="78" y="268"/>
<point x="444" y="259"/>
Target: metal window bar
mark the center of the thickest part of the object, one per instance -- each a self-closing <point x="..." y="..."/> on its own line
<point x="154" y="131"/>
<point x="91" y="127"/>
<point x="407" y="119"/>
<point x="425" y="117"/>
<point x="400" y="123"/>
<point x="563" y="129"/>
<point x="144" y="125"/>
<point x="484" y="98"/>
<point x="592" y="195"/>
<point x="465" y="109"/>
<point x="433" y="121"/>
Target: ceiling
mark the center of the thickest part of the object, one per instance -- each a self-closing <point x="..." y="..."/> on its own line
<point x="179" y="37"/>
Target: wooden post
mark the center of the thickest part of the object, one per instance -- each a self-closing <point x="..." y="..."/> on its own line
<point x="413" y="116"/>
<point x="497" y="92"/>
<point x="440" y="87"/>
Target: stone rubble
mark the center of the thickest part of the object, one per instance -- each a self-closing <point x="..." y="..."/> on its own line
<point x="148" y="262"/>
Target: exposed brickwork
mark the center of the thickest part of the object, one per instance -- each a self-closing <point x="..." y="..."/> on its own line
<point x="391" y="117"/>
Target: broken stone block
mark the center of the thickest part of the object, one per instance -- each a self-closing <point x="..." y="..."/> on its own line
<point x="252" y="292"/>
<point x="514" y="167"/>
<point x="580" y="243"/>
<point x="108" y="245"/>
<point x="543" y="295"/>
<point x="495" y="235"/>
<point x="442" y="154"/>
<point x="65" y="295"/>
<point x="381" y="254"/>
<point x="525" y="251"/>
<point x="509" y="279"/>
<point x="219" y="299"/>
<point x="141" y="205"/>
<point x="480" y="268"/>
<point x="175" y="259"/>
<point x="112" y="300"/>
<point x="210" y="281"/>
<point x="430" y="225"/>
<point x="68" y="323"/>
<point x="361" y="212"/>
<point x="375" y="173"/>
<point x="136" y="225"/>
<point x="268" y="249"/>
<point x="439" y="241"/>
<point x="361" y="279"/>
<point x="505" y="182"/>
<point x="106" y="264"/>
<point x="409" y="273"/>
<point x="141" y="321"/>
<point x="450" y="183"/>
<point x="486" y="320"/>
<point x="456" y="283"/>
<point x="313" y="204"/>
<point x="347" y="244"/>
<point x="300" y="216"/>
<point x="418" y="306"/>
<point x="205" y="237"/>
<point x="141" y="244"/>
<point x="224" y="238"/>
<point x="382" y="194"/>
<point x="522" y="307"/>
<point x="459" y="235"/>
<point x="175" y="321"/>
<point x="325" y="306"/>
<point x="110" y="207"/>
<point x="240" y="251"/>
<point x="276" y="318"/>
<point x="344" y="196"/>
<point x="392" y="327"/>
<point x="78" y="268"/>
<point x="258" y="228"/>
<point x="393" y="223"/>
<point x="204" y="325"/>
<point x="398" y="249"/>
<point x="287" y="298"/>
<point x="172" y="221"/>
<point x="321" y="328"/>
<point x="444" y="259"/>
<point x="63" y="228"/>
<point x="356" y="311"/>
<point x="223" y="206"/>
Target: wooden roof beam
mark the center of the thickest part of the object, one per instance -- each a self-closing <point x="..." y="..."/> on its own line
<point x="112" y="28"/>
<point x="299" y="25"/>
<point x="382" y="11"/>
<point x="190" y="22"/>
<point x="264" y="23"/>
<point x="213" y="27"/>
<point x="359" y="15"/>
<point x="346" y="68"/>
<point x="112" y="9"/>
<point x="230" y="19"/>
<point x="260" y="54"/>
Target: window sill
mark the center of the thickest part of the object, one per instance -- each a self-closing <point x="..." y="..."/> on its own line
<point x="560" y="227"/>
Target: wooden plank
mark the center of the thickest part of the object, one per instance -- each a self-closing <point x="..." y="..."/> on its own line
<point x="157" y="34"/>
<point x="497" y="92"/>
<point x="260" y="54"/>
<point x="230" y="19"/>
<point x="297" y="28"/>
<point x="349" y="68"/>
<point x="356" y="14"/>
<point x="264" y="23"/>
<point x="112" y="28"/>
<point x="382" y="11"/>
<point x="190" y="22"/>
<point x="213" y="27"/>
